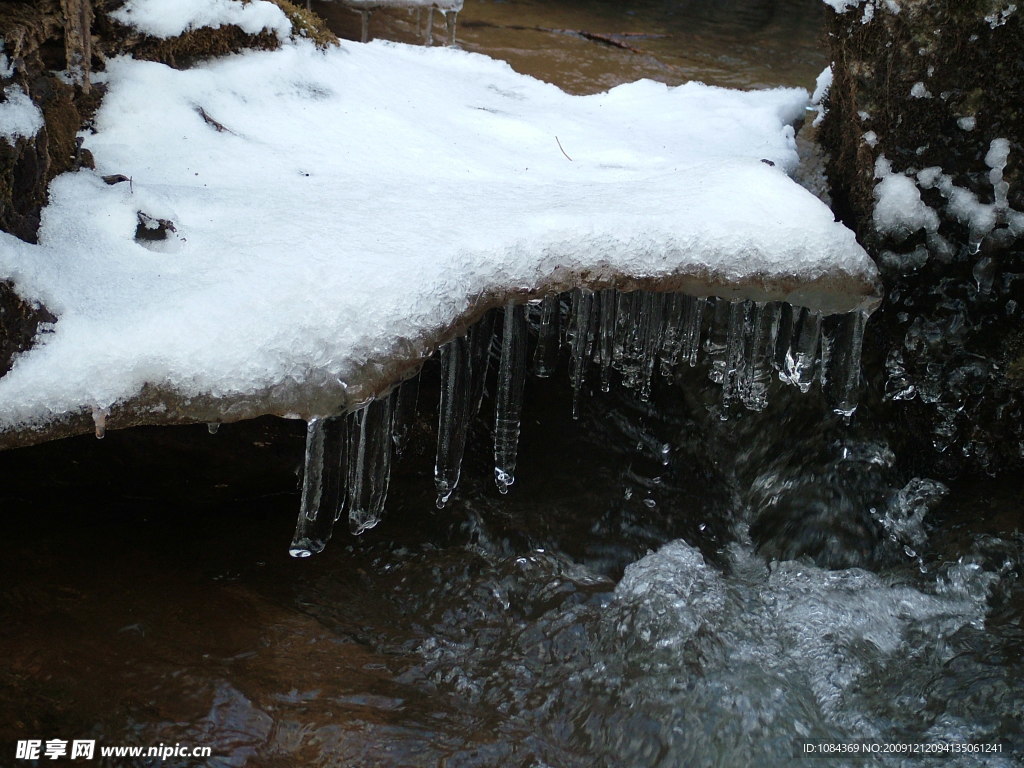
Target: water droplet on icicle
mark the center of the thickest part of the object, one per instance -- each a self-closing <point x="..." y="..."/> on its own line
<point x="508" y="405"/>
<point x="453" y="417"/>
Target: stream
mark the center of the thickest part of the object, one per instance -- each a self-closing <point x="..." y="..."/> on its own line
<point x="666" y="583"/>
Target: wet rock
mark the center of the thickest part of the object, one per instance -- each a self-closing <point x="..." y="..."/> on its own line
<point x="926" y="165"/>
<point x="20" y="322"/>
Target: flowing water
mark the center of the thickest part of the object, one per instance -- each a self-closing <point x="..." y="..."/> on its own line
<point x="669" y="580"/>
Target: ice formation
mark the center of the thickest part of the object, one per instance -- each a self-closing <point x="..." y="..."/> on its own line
<point x="630" y="338"/>
<point x="425" y="8"/>
<point x="326" y="220"/>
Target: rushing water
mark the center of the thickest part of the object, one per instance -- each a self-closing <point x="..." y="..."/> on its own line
<point x="659" y="587"/>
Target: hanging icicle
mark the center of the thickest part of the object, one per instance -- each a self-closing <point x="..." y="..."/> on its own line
<point x="545" y="355"/>
<point x="693" y="320"/>
<point x="672" y="338"/>
<point x="481" y="339"/>
<point x="508" y="402"/>
<point x="407" y="397"/>
<point x="804" y="355"/>
<point x="453" y="416"/>
<point x="428" y="27"/>
<point x="322" y="485"/>
<point x="652" y="307"/>
<point x="842" y="378"/>
<point x="582" y="338"/>
<point x="606" y="336"/>
<point x="369" y="464"/>
<point x="758" y="356"/>
<point x="451" y="18"/>
<point x="736" y="330"/>
<point x="99" y="421"/>
<point x="716" y="344"/>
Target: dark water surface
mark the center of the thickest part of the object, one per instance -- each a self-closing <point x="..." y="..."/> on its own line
<point x="619" y="607"/>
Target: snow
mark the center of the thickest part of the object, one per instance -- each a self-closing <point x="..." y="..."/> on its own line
<point x="19" y="117"/>
<point x="899" y="208"/>
<point x="821" y="88"/>
<point x="920" y="91"/>
<point x="842" y="6"/>
<point x="363" y="199"/>
<point x="170" y="18"/>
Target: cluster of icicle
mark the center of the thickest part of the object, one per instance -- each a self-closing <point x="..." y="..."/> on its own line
<point x="424" y="10"/>
<point x="609" y="334"/>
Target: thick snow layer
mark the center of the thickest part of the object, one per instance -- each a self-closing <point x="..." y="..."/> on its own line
<point x="19" y="117"/>
<point x="170" y="18"/>
<point x="328" y="205"/>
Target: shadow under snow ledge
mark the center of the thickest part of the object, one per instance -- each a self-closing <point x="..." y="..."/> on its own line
<point x="292" y="232"/>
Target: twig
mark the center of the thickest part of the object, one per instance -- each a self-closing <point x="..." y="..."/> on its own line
<point x="563" y="151"/>
<point x="219" y="127"/>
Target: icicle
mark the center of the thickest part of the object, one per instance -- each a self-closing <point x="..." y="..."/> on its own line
<point x="606" y="336"/>
<point x="759" y="355"/>
<point x="651" y="330"/>
<point x="801" y="365"/>
<point x="369" y="464"/>
<point x="787" y="321"/>
<point x="322" y="486"/>
<point x="428" y="28"/>
<point x="406" y="400"/>
<point x="625" y="347"/>
<point x="582" y="338"/>
<point x="481" y="338"/>
<point x="213" y="427"/>
<point x="737" y="329"/>
<point x="451" y="18"/>
<point x="364" y="35"/>
<point x="508" y="402"/>
<point x="453" y="417"/>
<point x="693" y="318"/>
<point x="715" y="346"/>
<point x="99" y="420"/>
<point x="672" y="339"/>
<point x="545" y="356"/>
<point x="843" y="373"/>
